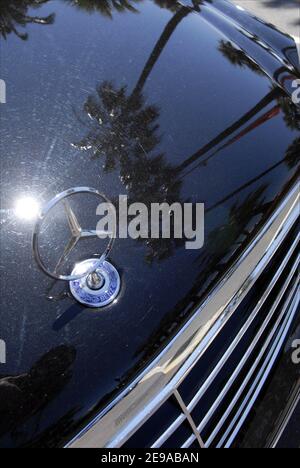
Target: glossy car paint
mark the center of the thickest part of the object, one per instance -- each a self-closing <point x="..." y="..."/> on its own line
<point x="160" y="102"/>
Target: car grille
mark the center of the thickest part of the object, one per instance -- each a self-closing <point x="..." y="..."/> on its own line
<point x="211" y="404"/>
<point x="200" y="391"/>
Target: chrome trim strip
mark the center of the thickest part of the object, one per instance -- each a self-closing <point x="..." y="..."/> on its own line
<point x="261" y="377"/>
<point x="138" y="402"/>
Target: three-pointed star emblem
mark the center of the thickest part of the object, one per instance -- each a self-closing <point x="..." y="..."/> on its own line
<point x="77" y="234"/>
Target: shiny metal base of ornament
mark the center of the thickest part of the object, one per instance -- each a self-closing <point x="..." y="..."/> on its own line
<point x="86" y="291"/>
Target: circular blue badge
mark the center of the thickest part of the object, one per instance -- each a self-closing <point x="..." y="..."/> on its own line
<point x="110" y="286"/>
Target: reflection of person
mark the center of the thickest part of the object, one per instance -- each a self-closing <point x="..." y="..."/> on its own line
<point x="24" y="395"/>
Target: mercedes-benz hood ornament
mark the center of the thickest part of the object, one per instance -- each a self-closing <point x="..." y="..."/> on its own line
<point x="94" y="282"/>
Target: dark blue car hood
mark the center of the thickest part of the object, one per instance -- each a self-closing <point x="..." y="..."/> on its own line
<point x="214" y="123"/>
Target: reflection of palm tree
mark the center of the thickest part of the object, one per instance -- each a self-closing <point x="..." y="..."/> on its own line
<point x="120" y="125"/>
<point x="15" y="12"/>
<point x="231" y="237"/>
<point x="105" y="7"/>
<point x="293" y="154"/>
<point x="125" y="118"/>
<point x="120" y="119"/>
<point x="281" y="103"/>
<point x="291" y="113"/>
<point x="180" y="14"/>
<point x="225" y="237"/>
<point x="124" y="124"/>
<point x="238" y="57"/>
<point x="108" y="7"/>
<point x="124" y="132"/>
<point x="171" y="5"/>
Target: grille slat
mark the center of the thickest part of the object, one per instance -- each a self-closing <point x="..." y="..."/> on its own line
<point x="261" y="378"/>
<point x="251" y="372"/>
<point x="250" y="349"/>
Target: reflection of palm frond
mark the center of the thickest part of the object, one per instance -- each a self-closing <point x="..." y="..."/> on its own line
<point x="199" y="3"/>
<point x="119" y="125"/>
<point x="232" y="236"/>
<point x="108" y="7"/>
<point x="105" y="7"/>
<point x="171" y="5"/>
<point x="291" y="112"/>
<point x="238" y="57"/>
<point x="293" y="154"/>
<point x="14" y="13"/>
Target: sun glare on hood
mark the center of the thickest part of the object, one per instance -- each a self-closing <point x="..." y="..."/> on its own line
<point x="27" y="208"/>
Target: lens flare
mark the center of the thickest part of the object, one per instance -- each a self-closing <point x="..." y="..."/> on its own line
<point x="27" y="208"/>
